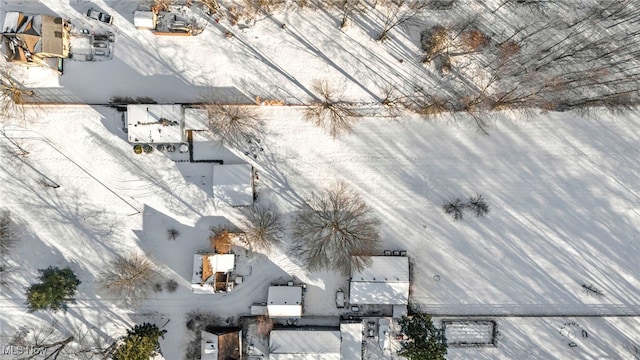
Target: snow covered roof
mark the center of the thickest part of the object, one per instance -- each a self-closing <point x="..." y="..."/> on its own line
<point x="304" y="345"/>
<point x="223" y="263"/>
<point x="221" y="346"/>
<point x="209" y="346"/>
<point x="385" y="282"/>
<point x="196" y="119"/>
<point x="11" y="22"/>
<point x="215" y="263"/>
<point x="284" y="301"/>
<point x="351" y="345"/>
<point x="384" y="269"/>
<point x="233" y="184"/>
<point x="144" y="20"/>
<point x="152" y="123"/>
<point x="379" y="293"/>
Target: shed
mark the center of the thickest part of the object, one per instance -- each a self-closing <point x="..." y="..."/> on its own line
<point x="384" y="282"/>
<point x="153" y="123"/>
<point x="304" y="345"/>
<point x="233" y="184"/>
<point x="284" y="301"/>
<point x="145" y="19"/>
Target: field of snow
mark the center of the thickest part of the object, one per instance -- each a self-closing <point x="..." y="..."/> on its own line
<point x="562" y="187"/>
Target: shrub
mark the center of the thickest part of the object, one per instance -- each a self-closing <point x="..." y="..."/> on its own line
<point x="142" y="342"/>
<point x="173" y="234"/>
<point x="171" y="285"/>
<point x="478" y="205"/>
<point x="57" y="287"/>
<point x="454" y="208"/>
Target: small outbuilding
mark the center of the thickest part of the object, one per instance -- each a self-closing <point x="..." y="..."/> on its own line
<point x="145" y="19"/>
<point x="233" y="184"/>
<point x="284" y="302"/>
<point x="384" y="282"/>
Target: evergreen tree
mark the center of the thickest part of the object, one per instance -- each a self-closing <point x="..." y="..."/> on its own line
<point x="56" y="288"/>
<point x="141" y="343"/>
<point x="425" y="341"/>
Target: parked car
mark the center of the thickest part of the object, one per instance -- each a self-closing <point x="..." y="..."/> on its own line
<point x="340" y="298"/>
<point x="100" y="16"/>
<point x="371" y="329"/>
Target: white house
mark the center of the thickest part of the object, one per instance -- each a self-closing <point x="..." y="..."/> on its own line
<point x="384" y="282"/>
<point x="153" y="123"/>
<point x="233" y="184"/>
<point x="304" y="345"/>
<point x="284" y="301"/>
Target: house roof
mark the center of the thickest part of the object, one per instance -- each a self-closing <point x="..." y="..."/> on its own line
<point x="284" y="301"/>
<point x="153" y="123"/>
<point x="12" y="21"/>
<point x="351" y="344"/>
<point x="206" y="265"/>
<point x="196" y="119"/>
<point x="384" y="269"/>
<point x="376" y="293"/>
<point x="52" y="35"/>
<point x="144" y="19"/>
<point x="223" y="346"/>
<point x="39" y="34"/>
<point x="384" y="282"/>
<point x="223" y="263"/>
<point x="233" y="184"/>
<point x="304" y="345"/>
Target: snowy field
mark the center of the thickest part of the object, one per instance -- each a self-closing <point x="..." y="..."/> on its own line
<point x="562" y="187"/>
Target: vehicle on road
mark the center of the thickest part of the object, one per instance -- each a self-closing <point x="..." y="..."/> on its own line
<point x="100" y="16"/>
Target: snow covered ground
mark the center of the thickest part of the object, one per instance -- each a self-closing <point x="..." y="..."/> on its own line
<point x="562" y="187"/>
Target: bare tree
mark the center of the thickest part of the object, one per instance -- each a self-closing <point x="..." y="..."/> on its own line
<point x="478" y="205"/>
<point x="52" y="341"/>
<point x="7" y="234"/>
<point x="12" y="94"/>
<point x="398" y="13"/>
<point x="337" y="230"/>
<point x="348" y="8"/>
<point x="212" y="6"/>
<point x="591" y="290"/>
<point x="263" y="227"/>
<point x="173" y="234"/>
<point x="221" y="239"/>
<point x="234" y="124"/>
<point x="129" y="278"/>
<point x="434" y="42"/>
<point x="337" y="117"/>
<point x="454" y="208"/>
